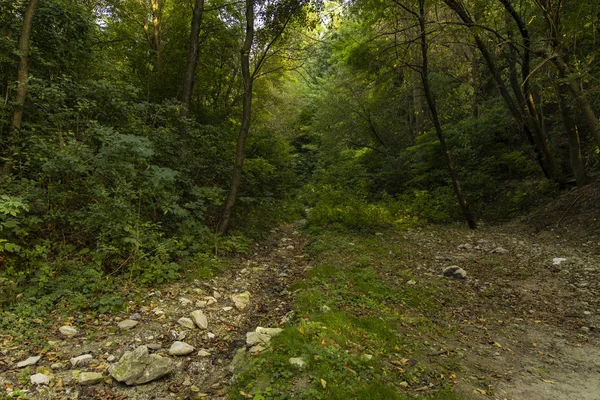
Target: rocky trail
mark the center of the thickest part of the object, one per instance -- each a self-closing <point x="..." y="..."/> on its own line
<point x="525" y="317"/>
<point x="192" y="331"/>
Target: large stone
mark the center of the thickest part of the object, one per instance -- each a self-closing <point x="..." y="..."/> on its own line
<point x="269" y="331"/>
<point x="253" y="338"/>
<point x="90" y="378"/>
<point x="28" y="362"/>
<point x="455" y="272"/>
<point x="186" y="322"/>
<point x="39" y="379"/>
<point x="180" y="349"/>
<point x="199" y="319"/>
<point x="138" y="367"/>
<point x="127" y="324"/>
<point x="241" y="300"/>
<point x="297" y="362"/>
<point x="81" y="360"/>
<point x="68" y="331"/>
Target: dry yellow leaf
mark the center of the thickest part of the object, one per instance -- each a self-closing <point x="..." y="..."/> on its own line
<point x="323" y="383"/>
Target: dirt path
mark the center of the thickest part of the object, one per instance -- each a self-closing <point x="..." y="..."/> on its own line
<point x="528" y="316"/>
<point x="265" y="274"/>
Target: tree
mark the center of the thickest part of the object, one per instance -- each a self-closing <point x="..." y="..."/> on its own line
<point x="23" y="69"/>
<point x="192" y="57"/>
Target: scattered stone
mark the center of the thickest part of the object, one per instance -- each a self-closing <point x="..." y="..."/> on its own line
<point x="227" y="308"/>
<point x="325" y="309"/>
<point x="159" y="312"/>
<point x="558" y="261"/>
<point x="211" y="335"/>
<point x="587" y="313"/>
<point x="199" y="319"/>
<point x="39" y="379"/>
<point x="217" y="295"/>
<point x="138" y="367"/>
<point x="241" y="300"/>
<point x="412" y="282"/>
<point x="253" y="338"/>
<point x="272" y="332"/>
<point x="154" y="346"/>
<point x="81" y="360"/>
<point x="135" y="317"/>
<point x="184" y="301"/>
<point x="201" y="303"/>
<point x="68" y="331"/>
<point x="210" y="300"/>
<point x="90" y="378"/>
<point x="56" y="366"/>
<point x="297" y="362"/>
<point x="28" y="362"/>
<point x="455" y="272"/>
<point x="180" y="349"/>
<point x="584" y="329"/>
<point x="127" y="324"/>
<point x="466" y="246"/>
<point x="111" y="358"/>
<point x="256" y="349"/>
<point x="366" y="357"/>
<point x="203" y="353"/>
<point x="500" y="250"/>
<point x="186" y="323"/>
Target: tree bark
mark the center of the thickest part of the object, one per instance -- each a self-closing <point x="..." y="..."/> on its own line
<point x="240" y="151"/>
<point x="23" y="69"/>
<point x="419" y="111"/>
<point x="436" y="121"/>
<point x="156" y="16"/>
<point x="516" y="111"/>
<point x="192" y="58"/>
<point x="575" y="157"/>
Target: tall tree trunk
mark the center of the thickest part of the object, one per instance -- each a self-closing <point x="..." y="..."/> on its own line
<point x="240" y="150"/>
<point x="23" y="69"/>
<point x="436" y="121"/>
<point x="517" y="112"/>
<point x="524" y="95"/>
<point x="192" y="58"/>
<point x="156" y="17"/>
<point x="418" y="97"/>
<point x="575" y="157"/>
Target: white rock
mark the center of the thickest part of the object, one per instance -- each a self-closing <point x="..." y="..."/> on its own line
<point x="325" y="309"/>
<point x="81" y="360"/>
<point x="297" y="362"/>
<point x="127" y="324"/>
<point x="412" y="282"/>
<point x="269" y="331"/>
<point x="227" y="309"/>
<point x="500" y="250"/>
<point x="455" y="272"/>
<point x="211" y="335"/>
<point x="39" y="379"/>
<point x="68" y="331"/>
<point x="558" y="261"/>
<point x="203" y="353"/>
<point x="256" y="349"/>
<point x="28" y="362"/>
<point x="253" y="338"/>
<point x="184" y="301"/>
<point x="180" y="349"/>
<point x="241" y="300"/>
<point x="111" y="358"/>
<point x="199" y="319"/>
<point x="186" y="323"/>
<point x="90" y="378"/>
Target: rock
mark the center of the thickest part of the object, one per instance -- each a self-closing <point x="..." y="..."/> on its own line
<point x="269" y="331"/>
<point x="56" y="366"/>
<point x="28" y="362"/>
<point x="241" y="300"/>
<point x="558" y="261"/>
<point x="154" y="346"/>
<point x="203" y="353"/>
<point x="135" y="317"/>
<point x="211" y="335"/>
<point x="180" y="349"/>
<point x="210" y="300"/>
<point x="217" y="295"/>
<point x="227" y="309"/>
<point x="466" y="246"/>
<point x="455" y="272"/>
<point x="68" y="331"/>
<point x="199" y="319"/>
<point x="81" y="360"/>
<point x="90" y="378"/>
<point x="127" y="324"/>
<point x="111" y="358"/>
<point x="325" y="309"/>
<point x="253" y="338"/>
<point x="256" y="349"/>
<point x="366" y="357"/>
<point x="184" y="301"/>
<point x="584" y="329"/>
<point x="39" y="379"/>
<point x="411" y="282"/>
<point x="500" y="250"/>
<point x="297" y="362"/>
<point x="138" y="367"/>
<point x="238" y="360"/>
<point x="186" y="323"/>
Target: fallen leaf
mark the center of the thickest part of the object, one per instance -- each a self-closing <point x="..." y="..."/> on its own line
<point x="323" y="383"/>
<point x="481" y="391"/>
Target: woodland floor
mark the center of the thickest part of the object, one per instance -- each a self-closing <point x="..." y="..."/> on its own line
<point x="519" y="327"/>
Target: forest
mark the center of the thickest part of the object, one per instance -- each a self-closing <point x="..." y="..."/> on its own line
<point x="321" y="199"/>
